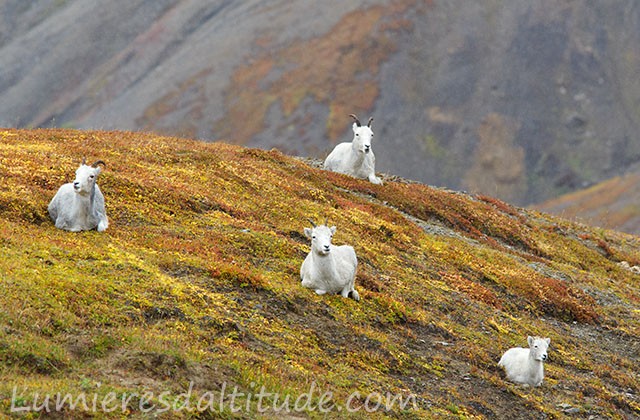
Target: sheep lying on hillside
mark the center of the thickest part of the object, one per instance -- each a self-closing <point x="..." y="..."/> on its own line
<point x="355" y="158"/>
<point x="525" y="366"/>
<point x="329" y="268"/>
<point x="633" y="268"/>
<point x="80" y="205"/>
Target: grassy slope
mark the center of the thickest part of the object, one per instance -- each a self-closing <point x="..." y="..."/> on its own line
<point x="611" y="204"/>
<point x="196" y="280"/>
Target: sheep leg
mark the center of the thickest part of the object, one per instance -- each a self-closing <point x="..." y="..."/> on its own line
<point x="350" y="291"/>
<point x="355" y="295"/>
<point x="374" y="179"/>
<point x="311" y="285"/>
<point x="102" y="225"/>
<point x="352" y="287"/>
<point x="306" y="282"/>
<point x="61" y="223"/>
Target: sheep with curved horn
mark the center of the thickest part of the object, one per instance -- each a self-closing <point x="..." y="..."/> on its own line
<point x="355" y="158"/>
<point x="80" y="205"/>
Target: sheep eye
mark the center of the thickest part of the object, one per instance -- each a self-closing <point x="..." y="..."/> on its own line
<point x="313" y="237"/>
<point x="92" y="176"/>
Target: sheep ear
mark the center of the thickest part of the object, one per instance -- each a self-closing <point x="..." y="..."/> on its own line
<point x="307" y="232"/>
<point x="548" y="340"/>
<point x="530" y="340"/>
<point x="355" y="127"/>
<point x="333" y="229"/>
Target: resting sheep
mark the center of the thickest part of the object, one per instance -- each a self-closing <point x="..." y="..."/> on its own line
<point x="329" y="268"/>
<point x="80" y="205"/>
<point x="633" y="268"/>
<point x="355" y="158"/>
<point x="525" y="366"/>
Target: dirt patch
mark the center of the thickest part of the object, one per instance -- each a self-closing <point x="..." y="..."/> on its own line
<point x="157" y="371"/>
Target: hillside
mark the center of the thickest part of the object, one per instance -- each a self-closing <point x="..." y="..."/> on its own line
<point x="611" y="204"/>
<point x="194" y="290"/>
<point x="519" y="100"/>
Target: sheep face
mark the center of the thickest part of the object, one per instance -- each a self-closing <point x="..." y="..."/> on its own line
<point x="538" y="347"/>
<point x="85" y="179"/>
<point x="320" y="238"/>
<point x="362" y="136"/>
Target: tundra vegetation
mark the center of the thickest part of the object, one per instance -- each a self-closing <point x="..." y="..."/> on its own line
<point x="196" y="283"/>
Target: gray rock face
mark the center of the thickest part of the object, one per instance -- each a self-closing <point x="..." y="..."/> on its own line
<point x="521" y="100"/>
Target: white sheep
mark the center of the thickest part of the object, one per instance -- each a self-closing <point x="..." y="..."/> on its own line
<point x="525" y="366"/>
<point x="634" y="269"/>
<point x="355" y="158"/>
<point x="80" y="205"/>
<point x="329" y="268"/>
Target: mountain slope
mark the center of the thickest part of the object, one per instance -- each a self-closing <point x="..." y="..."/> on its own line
<point x="611" y="204"/>
<point x="194" y="290"/>
<point x="522" y="100"/>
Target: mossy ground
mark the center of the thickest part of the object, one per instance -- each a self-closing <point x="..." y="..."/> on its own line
<point x="195" y="287"/>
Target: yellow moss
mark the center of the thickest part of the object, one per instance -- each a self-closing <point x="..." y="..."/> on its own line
<point x="201" y="264"/>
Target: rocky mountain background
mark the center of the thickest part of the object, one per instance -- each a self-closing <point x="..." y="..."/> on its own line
<point x="521" y="100"/>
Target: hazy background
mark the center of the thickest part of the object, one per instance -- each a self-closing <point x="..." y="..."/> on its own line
<point x="524" y="100"/>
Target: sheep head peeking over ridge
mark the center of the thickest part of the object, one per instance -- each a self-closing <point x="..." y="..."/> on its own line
<point x="355" y="158"/>
<point x="329" y="268"/>
<point x="79" y="205"/>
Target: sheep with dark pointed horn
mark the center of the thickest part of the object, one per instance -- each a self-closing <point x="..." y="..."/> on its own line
<point x="355" y="158"/>
<point x="79" y="205"/>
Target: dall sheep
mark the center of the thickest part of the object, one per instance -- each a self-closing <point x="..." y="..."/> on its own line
<point x="329" y="268"/>
<point x="79" y="205"/>
<point x="633" y="268"/>
<point x="525" y="366"/>
<point x="355" y="158"/>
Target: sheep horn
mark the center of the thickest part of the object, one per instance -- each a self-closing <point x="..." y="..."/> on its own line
<point x="356" y="119"/>
<point x="370" y="121"/>
<point x="326" y="221"/>
<point x="312" y="222"/>
<point x="98" y="162"/>
<point x="84" y="161"/>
